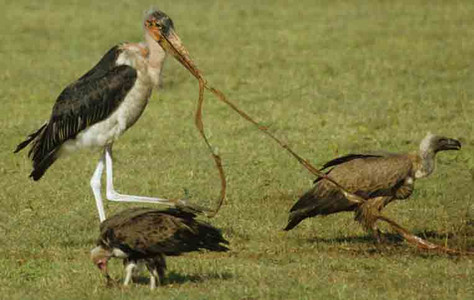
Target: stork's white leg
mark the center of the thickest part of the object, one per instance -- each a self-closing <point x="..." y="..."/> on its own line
<point x="128" y="272"/>
<point x="95" y="185"/>
<point x="112" y="195"/>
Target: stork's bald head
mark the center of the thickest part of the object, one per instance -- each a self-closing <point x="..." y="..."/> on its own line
<point x="435" y="143"/>
<point x="160" y="20"/>
<point x="160" y="27"/>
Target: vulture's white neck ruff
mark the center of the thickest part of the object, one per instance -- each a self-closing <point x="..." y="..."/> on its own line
<point x="427" y="155"/>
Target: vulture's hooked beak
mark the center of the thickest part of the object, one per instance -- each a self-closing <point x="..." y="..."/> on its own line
<point x="100" y="258"/>
<point x="102" y="265"/>
<point x="160" y="27"/>
<point x="449" y="144"/>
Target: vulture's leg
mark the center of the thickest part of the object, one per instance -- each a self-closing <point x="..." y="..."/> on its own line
<point x="156" y="267"/>
<point x="112" y="195"/>
<point x="136" y="272"/>
<point x="153" y="279"/>
<point x="151" y="266"/>
<point x="95" y="185"/>
<point x="161" y="268"/>
<point x="368" y="213"/>
<point x="129" y="271"/>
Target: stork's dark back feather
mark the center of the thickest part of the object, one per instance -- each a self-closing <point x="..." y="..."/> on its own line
<point x="105" y="64"/>
<point x="83" y="103"/>
<point x="144" y="232"/>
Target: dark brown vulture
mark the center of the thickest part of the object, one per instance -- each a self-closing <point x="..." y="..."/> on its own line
<point x="145" y="234"/>
<point x="379" y="179"/>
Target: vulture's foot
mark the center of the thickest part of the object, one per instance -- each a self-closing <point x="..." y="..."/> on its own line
<point x="379" y="236"/>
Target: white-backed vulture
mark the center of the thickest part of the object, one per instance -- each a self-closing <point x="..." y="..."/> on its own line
<point x="379" y="179"/>
<point x="146" y="234"/>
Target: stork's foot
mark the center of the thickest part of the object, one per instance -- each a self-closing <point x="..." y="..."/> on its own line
<point x="190" y="207"/>
<point x="112" y="195"/>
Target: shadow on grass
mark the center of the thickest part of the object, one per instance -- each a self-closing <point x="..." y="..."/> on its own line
<point x="387" y="237"/>
<point x="461" y="239"/>
<point x="177" y="278"/>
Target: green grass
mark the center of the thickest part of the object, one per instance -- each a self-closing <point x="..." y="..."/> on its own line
<point x="329" y="77"/>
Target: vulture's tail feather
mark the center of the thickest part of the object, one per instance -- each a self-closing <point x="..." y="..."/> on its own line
<point x="293" y="220"/>
<point x="209" y="237"/>
<point x="197" y="234"/>
<point x="317" y="202"/>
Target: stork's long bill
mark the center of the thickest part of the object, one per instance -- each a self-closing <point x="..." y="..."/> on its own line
<point x="160" y="27"/>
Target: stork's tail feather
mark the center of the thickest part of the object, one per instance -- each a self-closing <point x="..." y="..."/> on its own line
<point x="29" y="139"/>
<point x="40" y="168"/>
<point x="42" y="157"/>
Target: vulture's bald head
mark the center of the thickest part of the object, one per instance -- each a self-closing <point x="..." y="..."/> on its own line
<point x="435" y="143"/>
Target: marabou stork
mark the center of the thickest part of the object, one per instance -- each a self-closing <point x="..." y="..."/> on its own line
<point x="101" y="105"/>
<point x="145" y="234"/>
<point x="379" y="179"/>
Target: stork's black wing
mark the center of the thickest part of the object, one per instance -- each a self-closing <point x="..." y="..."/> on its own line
<point x="85" y="102"/>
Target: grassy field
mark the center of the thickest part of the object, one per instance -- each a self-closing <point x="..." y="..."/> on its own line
<point x="329" y="77"/>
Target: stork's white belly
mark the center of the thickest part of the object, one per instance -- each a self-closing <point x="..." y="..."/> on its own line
<point x="107" y="131"/>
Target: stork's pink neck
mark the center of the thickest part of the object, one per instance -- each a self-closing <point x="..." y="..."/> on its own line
<point x="156" y="54"/>
<point x="156" y="58"/>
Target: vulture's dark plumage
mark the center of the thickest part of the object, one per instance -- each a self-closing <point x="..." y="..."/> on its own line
<point x="145" y="234"/>
<point x="379" y="179"/>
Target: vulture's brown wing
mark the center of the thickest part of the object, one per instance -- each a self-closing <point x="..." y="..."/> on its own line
<point x="366" y="176"/>
<point x="123" y="217"/>
<point x="374" y="176"/>
<point x="345" y="159"/>
<point x="341" y="160"/>
<point x="168" y="232"/>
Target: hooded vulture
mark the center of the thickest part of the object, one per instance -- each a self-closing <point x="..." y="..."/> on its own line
<point x="378" y="179"/>
<point x="147" y="235"/>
